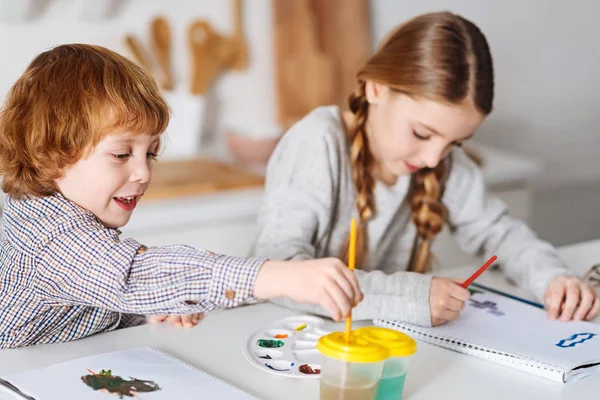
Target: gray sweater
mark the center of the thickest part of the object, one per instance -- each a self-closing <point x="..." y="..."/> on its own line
<point x="310" y="199"/>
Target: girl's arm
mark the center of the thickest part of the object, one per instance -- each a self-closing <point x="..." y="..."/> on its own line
<point x="482" y="225"/>
<point x="295" y="221"/>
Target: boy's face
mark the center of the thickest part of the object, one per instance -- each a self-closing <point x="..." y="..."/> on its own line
<point x="113" y="178"/>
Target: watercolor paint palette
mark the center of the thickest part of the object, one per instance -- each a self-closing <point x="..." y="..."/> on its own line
<point x="287" y="347"/>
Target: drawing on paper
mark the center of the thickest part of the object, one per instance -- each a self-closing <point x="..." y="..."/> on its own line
<point x="575" y="339"/>
<point x="112" y="384"/>
<point x="491" y="306"/>
<point x="475" y="291"/>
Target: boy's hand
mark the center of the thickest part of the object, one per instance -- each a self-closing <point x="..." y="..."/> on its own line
<point x="327" y="282"/>
<point x="571" y="298"/>
<point x="187" y="321"/>
<point x="446" y="299"/>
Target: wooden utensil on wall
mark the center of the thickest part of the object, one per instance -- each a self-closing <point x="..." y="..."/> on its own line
<point x="160" y="36"/>
<point x="339" y="37"/>
<point x="211" y="53"/>
<point x="305" y="73"/>
<point x="140" y="55"/>
<point x="238" y="41"/>
<point x="347" y="38"/>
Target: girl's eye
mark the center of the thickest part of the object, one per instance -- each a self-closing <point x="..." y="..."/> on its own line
<point x="120" y="156"/>
<point x="151" y="156"/>
<point x="420" y="137"/>
<point x="458" y="144"/>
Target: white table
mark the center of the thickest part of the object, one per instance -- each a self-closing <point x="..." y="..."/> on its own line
<point x="215" y="346"/>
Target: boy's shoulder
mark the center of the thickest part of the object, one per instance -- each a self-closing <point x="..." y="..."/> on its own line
<point x="31" y="221"/>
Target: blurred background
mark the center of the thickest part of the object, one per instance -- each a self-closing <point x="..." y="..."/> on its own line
<point x="237" y="73"/>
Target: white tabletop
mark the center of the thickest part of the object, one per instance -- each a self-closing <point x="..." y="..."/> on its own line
<point x="215" y="346"/>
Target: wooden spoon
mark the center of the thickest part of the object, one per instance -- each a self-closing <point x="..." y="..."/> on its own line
<point x="160" y="33"/>
<point x="205" y="65"/>
<point x="140" y="55"/>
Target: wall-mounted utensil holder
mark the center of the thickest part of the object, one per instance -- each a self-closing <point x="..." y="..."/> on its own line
<point x="183" y="135"/>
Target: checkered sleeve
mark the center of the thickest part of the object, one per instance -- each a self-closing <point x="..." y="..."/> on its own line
<point x="92" y="266"/>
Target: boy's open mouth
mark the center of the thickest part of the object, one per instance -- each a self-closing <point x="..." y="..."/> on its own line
<point x="127" y="203"/>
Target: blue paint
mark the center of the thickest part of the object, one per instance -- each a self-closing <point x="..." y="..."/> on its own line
<point x="276" y="369"/>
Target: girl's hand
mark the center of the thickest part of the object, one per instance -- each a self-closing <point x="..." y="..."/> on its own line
<point x="186" y="321"/>
<point x="571" y="298"/>
<point x="446" y="299"/>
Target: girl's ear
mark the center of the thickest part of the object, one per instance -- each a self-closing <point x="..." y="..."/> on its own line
<point x="374" y="92"/>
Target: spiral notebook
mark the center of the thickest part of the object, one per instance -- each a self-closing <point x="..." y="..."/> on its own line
<point x="141" y="373"/>
<point x="515" y="334"/>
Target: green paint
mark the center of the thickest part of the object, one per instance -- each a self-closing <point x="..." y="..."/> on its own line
<point x="391" y="388"/>
<point x="270" y="343"/>
<point x="475" y="291"/>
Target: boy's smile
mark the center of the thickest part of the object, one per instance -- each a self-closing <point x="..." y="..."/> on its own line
<point x="111" y="180"/>
<point x="128" y="203"/>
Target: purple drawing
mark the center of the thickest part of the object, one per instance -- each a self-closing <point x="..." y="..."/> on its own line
<point x="489" y="305"/>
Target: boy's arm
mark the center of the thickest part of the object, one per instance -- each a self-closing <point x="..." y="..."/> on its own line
<point x="91" y="266"/>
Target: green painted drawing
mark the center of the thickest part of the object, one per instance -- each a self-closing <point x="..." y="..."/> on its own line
<point x="474" y="291"/>
<point x="105" y="381"/>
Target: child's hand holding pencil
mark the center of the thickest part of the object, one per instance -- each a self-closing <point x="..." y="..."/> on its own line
<point x="446" y="300"/>
<point x="447" y="297"/>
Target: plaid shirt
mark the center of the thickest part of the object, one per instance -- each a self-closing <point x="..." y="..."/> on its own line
<point x="64" y="275"/>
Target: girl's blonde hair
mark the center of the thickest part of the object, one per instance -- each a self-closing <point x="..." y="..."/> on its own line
<point x="437" y="56"/>
<point x="67" y="100"/>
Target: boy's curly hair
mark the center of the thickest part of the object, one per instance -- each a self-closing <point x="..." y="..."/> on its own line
<point x="67" y="100"/>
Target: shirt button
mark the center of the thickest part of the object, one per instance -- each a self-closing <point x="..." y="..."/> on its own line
<point x="141" y="249"/>
<point x="229" y="294"/>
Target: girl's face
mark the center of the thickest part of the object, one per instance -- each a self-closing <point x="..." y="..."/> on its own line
<point x="112" y="179"/>
<point x="407" y="134"/>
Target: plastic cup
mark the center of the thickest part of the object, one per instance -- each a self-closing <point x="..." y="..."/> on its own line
<point x="401" y="347"/>
<point x="350" y="370"/>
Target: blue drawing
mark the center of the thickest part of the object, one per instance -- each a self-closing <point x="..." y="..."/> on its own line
<point x="489" y="305"/>
<point x="277" y="369"/>
<point x="575" y="339"/>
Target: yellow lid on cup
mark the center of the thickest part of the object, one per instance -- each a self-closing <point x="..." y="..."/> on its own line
<point x="358" y="350"/>
<point x="397" y="343"/>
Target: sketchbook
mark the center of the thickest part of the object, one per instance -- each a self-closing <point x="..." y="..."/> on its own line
<point x="512" y="333"/>
<point x="141" y="373"/>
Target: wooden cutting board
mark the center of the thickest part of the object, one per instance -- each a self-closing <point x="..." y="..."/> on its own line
<point x="346" y="37"/>
<point x="324" y="72"/>
<point x="175" y="179"/>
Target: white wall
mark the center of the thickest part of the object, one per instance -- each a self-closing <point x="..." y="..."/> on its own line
<point x="546" y="55"/>
<point x="243" y="98"/>
<point x="547" y="60"/>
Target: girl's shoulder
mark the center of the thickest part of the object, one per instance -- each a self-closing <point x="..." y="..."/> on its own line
<point x="322" y="126"/>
